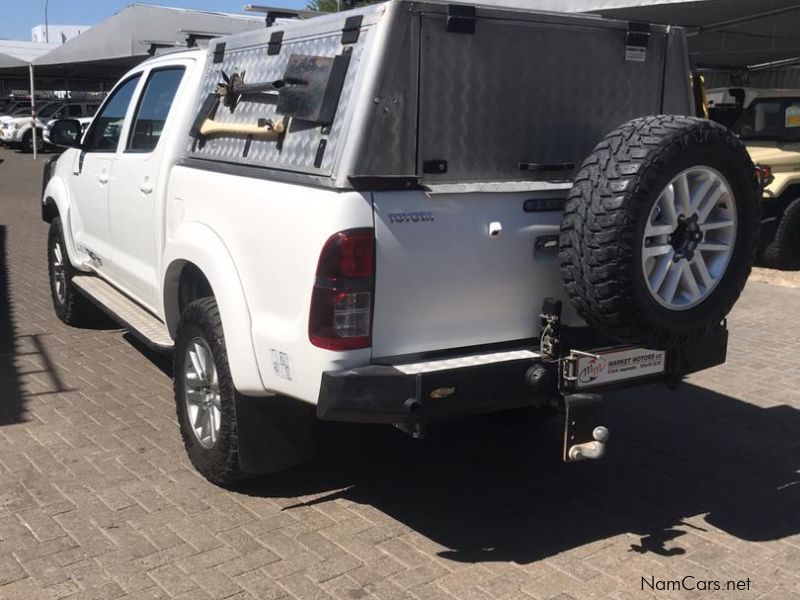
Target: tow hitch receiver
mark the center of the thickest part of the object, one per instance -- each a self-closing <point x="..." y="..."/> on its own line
<point x="584" y="436"/>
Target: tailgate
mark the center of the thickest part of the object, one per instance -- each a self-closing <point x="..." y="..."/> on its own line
<point x="443" y="281"/>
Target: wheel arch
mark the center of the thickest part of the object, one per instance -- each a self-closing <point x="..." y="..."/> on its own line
<point x="789" y="193"/>
<point x="197" y="251"/>
<point x="784" y="188"/>
<point x="49" y="209"/>
<point x="56" y="203"/>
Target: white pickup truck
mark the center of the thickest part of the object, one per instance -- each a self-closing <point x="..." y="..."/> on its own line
<point x="388" y="215"/>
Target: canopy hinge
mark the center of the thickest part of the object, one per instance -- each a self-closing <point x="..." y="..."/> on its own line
<point x="275" y="43"/>
<point x="636" y="40"/>
<point x="352" y="29"/>
<point x="219" y="52"/>
<point x="461" y="18"/>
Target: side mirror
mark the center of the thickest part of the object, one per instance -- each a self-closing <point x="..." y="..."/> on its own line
<point x="66" y="133"/>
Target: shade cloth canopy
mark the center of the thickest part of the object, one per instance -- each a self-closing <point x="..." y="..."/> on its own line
<point x="723" y="33"/>
<point x="123" y="40"/>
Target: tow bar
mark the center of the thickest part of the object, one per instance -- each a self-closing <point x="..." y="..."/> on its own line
<point x="584" y="436"/>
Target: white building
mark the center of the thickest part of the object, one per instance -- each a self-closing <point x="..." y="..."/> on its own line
<point x="57" y="34"/>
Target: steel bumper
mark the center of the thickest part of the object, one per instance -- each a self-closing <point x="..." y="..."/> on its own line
<point x="450" y="388"/>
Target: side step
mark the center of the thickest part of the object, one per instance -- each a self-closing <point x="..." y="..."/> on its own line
<point x="125" y="311"/>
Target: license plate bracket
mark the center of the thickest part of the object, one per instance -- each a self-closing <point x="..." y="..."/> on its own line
<point x="589" y="370"/>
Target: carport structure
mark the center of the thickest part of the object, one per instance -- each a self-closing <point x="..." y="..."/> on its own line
<point x="723" y="34"/>
<point x="109" y="49"/>
<point x="726" y="34"/>
<point x="100" y="56"/>
<point x="15" y="56"/>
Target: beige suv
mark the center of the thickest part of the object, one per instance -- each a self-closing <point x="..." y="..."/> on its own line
<point x="770" y="127"/>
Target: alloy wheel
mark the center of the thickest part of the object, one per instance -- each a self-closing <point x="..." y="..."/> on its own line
<point x="689" y="238"/>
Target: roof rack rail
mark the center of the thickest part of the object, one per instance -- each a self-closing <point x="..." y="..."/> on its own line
<point x="194" y="36"/>
<point x="274" y="13"/>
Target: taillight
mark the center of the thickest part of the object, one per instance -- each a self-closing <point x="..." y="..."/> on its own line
<point x="341" y="303"/>
<point x="764" y="175"/>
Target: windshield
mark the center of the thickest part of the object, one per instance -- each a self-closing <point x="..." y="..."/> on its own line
<point x="771" y="119"/>
<point x="21" y="110"/>
<point x="47" y="110"/>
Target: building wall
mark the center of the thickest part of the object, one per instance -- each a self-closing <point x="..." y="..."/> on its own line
<point x="58" y="34"/>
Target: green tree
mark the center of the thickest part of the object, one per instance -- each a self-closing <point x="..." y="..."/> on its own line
<point x="333" y="5"/>
<point x="322" y="5"/>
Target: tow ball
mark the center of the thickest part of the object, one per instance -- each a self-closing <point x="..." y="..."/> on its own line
<point x="585" y="437"/>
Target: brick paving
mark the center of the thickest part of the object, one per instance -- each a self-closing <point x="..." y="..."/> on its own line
<point x="97" y="499"/>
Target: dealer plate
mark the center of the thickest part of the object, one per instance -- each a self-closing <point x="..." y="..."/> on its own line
<point x="602" y="368"/>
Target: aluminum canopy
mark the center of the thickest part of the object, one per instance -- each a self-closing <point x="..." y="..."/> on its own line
<point x="723" y="33"/>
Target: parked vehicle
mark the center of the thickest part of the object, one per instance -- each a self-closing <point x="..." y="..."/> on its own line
<point x="19" y="132"/>
<point x="770" y="127"/>
<point x="21" y="118"/>
<point x="331" y="219"/>
<point x="17" y="111"/>
<point x="15" y="107"/>
<point x="726" y="104"/>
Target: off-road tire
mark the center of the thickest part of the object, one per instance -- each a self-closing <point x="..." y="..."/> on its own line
<point x="219" y="464"/>
<point x="784" y="250"/>
<point x="74" y="309"/>
<point x="605" y="216"/>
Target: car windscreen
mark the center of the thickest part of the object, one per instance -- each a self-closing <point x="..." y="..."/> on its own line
<point x="771" y="119"/>
<point x="47" y="110"/>
<point x="21" y="110"/>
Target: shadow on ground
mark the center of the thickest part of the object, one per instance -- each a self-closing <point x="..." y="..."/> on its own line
<point x="494" y="488"/>
<point x="11" y="401"/>
<point x="23" y="355"/>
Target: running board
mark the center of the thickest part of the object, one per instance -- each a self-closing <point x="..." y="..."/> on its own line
<point x="125" y="311"/>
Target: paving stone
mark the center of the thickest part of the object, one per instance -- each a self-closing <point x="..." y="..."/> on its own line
<point x="98" y="500"/>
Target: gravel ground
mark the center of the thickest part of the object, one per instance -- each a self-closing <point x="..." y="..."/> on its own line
<point x="789" y="279"/>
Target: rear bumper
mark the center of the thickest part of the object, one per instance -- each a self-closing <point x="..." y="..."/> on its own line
<point x="445" y="389"/>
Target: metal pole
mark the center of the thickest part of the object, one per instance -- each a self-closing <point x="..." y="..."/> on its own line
<point x="33" y="111"/>
<point x="737" y="21"/>
<point x="46" y="27"/>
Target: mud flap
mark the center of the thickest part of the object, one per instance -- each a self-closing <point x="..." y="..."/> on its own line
<point x="584" y="433"/>
<point x="274" y="433"/>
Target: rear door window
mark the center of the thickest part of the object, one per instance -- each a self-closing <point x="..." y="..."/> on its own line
<point x="154" y="106"/>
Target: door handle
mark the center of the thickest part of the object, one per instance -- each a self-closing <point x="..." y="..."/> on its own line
<point x="146" y="187"/>
<point x="102" y="178"/>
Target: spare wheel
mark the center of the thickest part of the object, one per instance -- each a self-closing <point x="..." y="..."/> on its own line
<point x="660" y="229"/>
